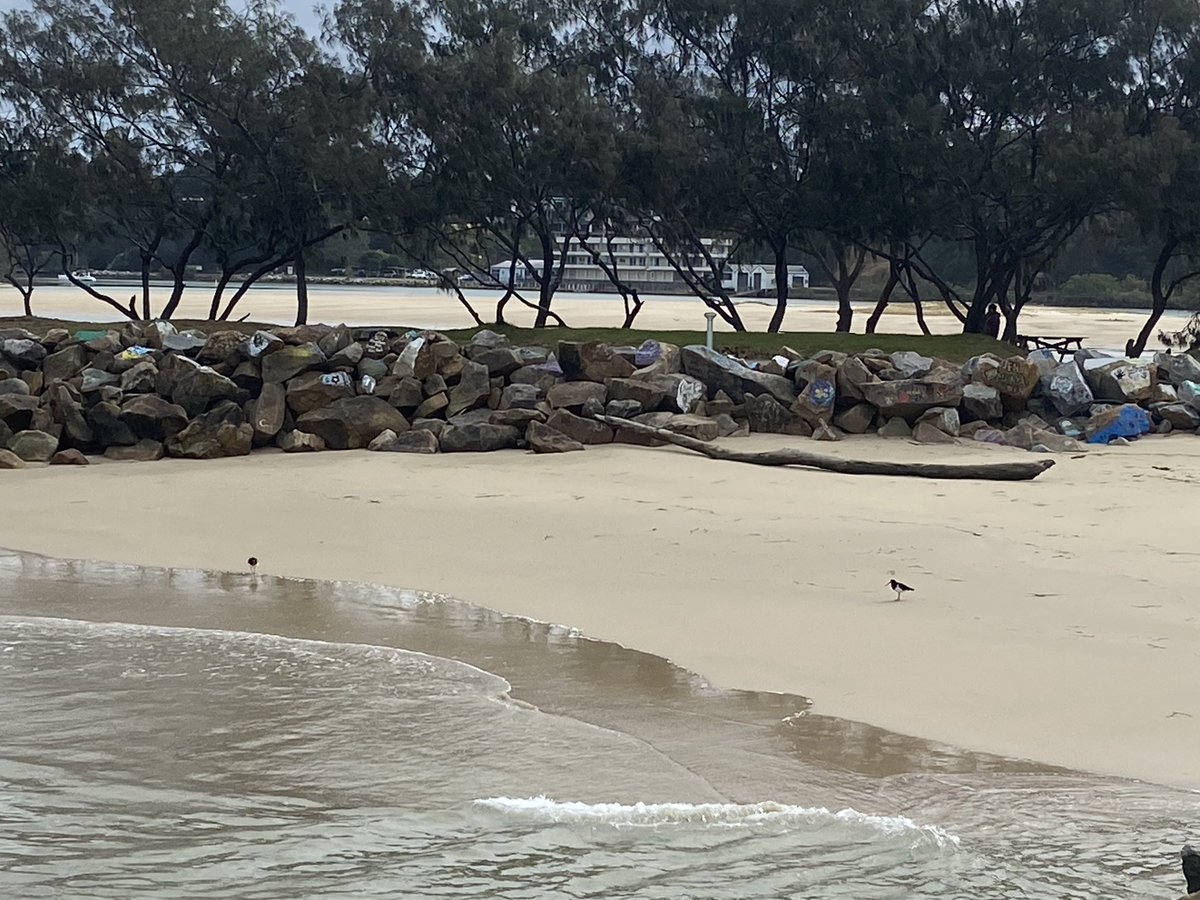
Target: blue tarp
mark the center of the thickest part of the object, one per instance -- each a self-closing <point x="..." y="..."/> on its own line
<point x="1130" y="421"/>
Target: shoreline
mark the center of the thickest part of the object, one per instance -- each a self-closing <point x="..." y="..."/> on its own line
<point x="1067" y="639"/>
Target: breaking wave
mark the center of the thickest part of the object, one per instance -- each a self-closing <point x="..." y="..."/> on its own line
<point x="729" y="815"/>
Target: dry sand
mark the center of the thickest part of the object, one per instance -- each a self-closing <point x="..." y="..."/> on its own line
<point x="1052" y="620"/>
<point x="429" y="308"/>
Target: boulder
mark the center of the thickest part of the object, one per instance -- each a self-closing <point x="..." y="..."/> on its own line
<point x="823" y="431"/>
<point x="154" y="333"/>
<point x="472" y="391"/>
<point x="416" y="360"/>
<point x="1177" y="368"/>
<point x="908" y="399"/>
<point x="1180" y="415"/>
<point x="181" y="342"/>
<point x="248" y="376"/>
<point x="33" y="379"/>
<point x="943" y="419"/>
<point x="431" y="406"/>
<point x="1126" y="421"/>
<point x="141" y="378"/>
<point x="593" y="361"/>
<point x="1015" y="378"/>
<point x="586" y="431"/>
<point x="1188" y="392"/>
<point x="197" y="388"/>
<point x="518" y="418"/>
<point x="519" y="396"/>
<point x="261" y="344"/>
<point x="17" y="410"/>
<point x="701" y="428"/>
<point x="312" y="390"/>
<point x="730" y="427"/>
<point x="294" y="441"/>
<point x="409" y="393"/>
<point x="218" y="433"/>
<point x="719" y="372"/>
<point x="623" y="409"/>
<point x="502" y="361"/>
<point x="766" y="415"/>
<point x="928" y="433"/>
<point x="68" y="412"/>
<point x="478" y="437"/>
<point x="23" y="353"/>
<point x="542" y="438"/>
<point x="150" y="416"/>
<point x="94" y="379"/>
<point x="649" y="395"/>
<point x="223" y="347"/>
<point x="488" y="339"/>
<point x="69" y="457"/>
<point x="104" y="420"/>
<point x="682" y="393"/>
<point x="573" y="394"/>
<point x="33" y="445"/>
<point x="817" y="400"/>
<point x="267" y="413"/>
<point x="413" y="441"/>
<point x="10" y="460"/>
<point x="1121" y="381"/>
<point x="1067" y="389"/>
<point x="287" y="362"/>
<point x="911" y="364"/>
<point x="352" y="423"/>
<point x="895" y="427"/>
<point x="857" y="419"/>
<point x="981" y="402"/>
<point x="142" y="451"/>
<point x="347" y="358"/>
<point x="15" y="386"/>
<point x="336" y="340"/>
<point x="1027" y="436"/>
<point x="851" y="375"/>
<point x="990" y="436"/>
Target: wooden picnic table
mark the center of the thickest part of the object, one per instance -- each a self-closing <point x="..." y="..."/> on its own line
<point x="1063" y="345"/>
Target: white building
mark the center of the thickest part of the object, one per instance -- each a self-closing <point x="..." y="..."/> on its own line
<point x="640" y="264"/>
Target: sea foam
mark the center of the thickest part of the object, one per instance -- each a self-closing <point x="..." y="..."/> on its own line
<point x="728" y="815"/>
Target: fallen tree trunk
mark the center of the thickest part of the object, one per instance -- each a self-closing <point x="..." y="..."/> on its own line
<point x="1013" y="471"/>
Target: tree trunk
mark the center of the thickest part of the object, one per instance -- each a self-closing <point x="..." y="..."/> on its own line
<point x="147" y="259"/>
<point x="301" y="288"/>
<point x="781" y="289"/>
<point x="919" y="311"/>
<point x="1158" y="300"/>
<point x="545" y="283"/>
<point x="631" y="309"/>
<point x="1014" y="471"/>
<point x="885" y="297"/>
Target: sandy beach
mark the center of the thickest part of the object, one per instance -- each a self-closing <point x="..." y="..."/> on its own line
<point x="430" y="308"/>
<point x="1052" y="620"/>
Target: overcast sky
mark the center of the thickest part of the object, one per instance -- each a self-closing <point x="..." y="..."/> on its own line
<point x="301" y="9"/>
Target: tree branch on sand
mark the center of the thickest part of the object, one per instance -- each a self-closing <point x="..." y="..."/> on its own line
<point x="1015" y="471"/>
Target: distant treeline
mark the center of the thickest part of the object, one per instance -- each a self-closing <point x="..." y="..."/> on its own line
<point x="938" y="143"/>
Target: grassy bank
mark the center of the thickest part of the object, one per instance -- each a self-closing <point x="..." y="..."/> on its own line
<point x="954" y="347"/>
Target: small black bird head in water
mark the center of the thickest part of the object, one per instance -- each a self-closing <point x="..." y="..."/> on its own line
<point x="252" y="562"/>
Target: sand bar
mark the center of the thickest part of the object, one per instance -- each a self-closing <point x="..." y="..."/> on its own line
<point x="1054" y="620"/>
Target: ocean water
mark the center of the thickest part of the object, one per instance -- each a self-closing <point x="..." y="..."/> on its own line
<point x="186" y="734"/>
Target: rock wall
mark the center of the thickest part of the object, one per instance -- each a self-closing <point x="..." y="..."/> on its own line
<point x="142" y="392"/>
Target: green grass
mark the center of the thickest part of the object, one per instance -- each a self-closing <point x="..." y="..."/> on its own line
<point x="954" y="347"/>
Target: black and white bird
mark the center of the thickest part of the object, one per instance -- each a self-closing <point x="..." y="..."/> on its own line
<point x="252" y="562"/>
<point x="898" y="586"/>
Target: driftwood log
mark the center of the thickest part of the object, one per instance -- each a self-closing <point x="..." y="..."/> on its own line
<point x="1009" y="471"/>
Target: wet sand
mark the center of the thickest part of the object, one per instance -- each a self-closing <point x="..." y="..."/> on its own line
<point x="1052" y="620"/>
<point x="429" y="308"/>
